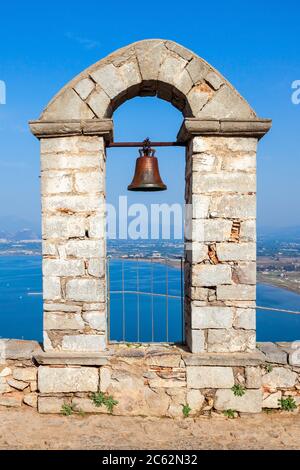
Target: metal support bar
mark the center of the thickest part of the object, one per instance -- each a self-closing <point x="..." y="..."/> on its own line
<point x="141" y="144"/>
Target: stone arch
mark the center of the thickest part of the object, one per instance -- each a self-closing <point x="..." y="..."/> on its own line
<point x="149" y="68"/>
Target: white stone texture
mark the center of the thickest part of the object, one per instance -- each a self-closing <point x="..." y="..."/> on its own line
<point x="280" y="377"/>
<point x="67" y="379"/>
<point x="236" y="292"/>
<point x="211" y="317"/>
<point x="91" y="343"/>
<point x="209" y="377"/>
<point x="245" y="318"/>
<point x="251" y="402"/>
<point x="230" y="340"/>
<point x="63" y="321"/>
<point x="51" y="288"/>
<point x="236" y="251"/>
<point x="65" y="226"/>
<point x="57" y="267"/>
<point x="211" y="275"/>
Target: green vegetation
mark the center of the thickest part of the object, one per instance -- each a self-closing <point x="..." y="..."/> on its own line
<point x="229" y="413"/>
<point x="268" y="367"/>
<point x="287" y="404"/>
<point x="238" y="390"/>
<point x="101" y="398"/>
<point x="68" y="410"/>
<point x="186" y="410"/>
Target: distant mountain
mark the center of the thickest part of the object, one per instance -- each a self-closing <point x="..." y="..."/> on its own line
<point x="17" y="228"/>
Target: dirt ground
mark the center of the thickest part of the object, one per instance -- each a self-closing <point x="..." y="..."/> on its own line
<point x="26" y="429"/>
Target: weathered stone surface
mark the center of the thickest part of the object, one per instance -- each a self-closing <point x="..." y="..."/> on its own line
<point x="85" y="248"/>
<point x="51" y="288"/>
<point x="63" y="321"/>
<point x="245" y="318"/>
<point x="87" y="182"/>
<point x="66" y="106"/>
<point x="4" y="387"/>
<point x="91" y="343"/>
<point x="96" y="267"/>
<point x="251" y="402"/>
<point x="72" y="203"/>
<point x="19" y="349"/>
<point x="225" y="104"/>
<point x="223" y="182"/>
<point x="90" y="290"/>
<point x="280" y="377"/>
<point x="109" y="79"/>
<point x="253" y="377"/>
<point x="13" y="400"/>
<point x="70" y="379"/>
<point x="195" y="340"/>
<point x="195" y="400"/>
<point x="50" y="404"/>
<point x="202" y="162"/>
<point x="87" y="406"/>
<point x="26" y="374"/>
<point x="248" y="230"/>
<point x="271" y="400"/>
<point x="5" y="372"/>
<point x="230" y="340"/>
<point x="84" y="87"/>
<point x="63" y="267"/>
<point x="211" y="317"/>
<point x="245" y="273"/>
<point x="200" y="205"/>
<point x="236" y="292"/>
<point x="63" y="227"/>
<point x="210" y="275"/>
<point x="209" y="377"/>
<point x="196" y="252"/>
<point x="17" y="384"/>
<point x="273" y="353"/>
<point x="173" y="72"/>
<point x="216" y="230"/>
<point x="163" y="360"/>
<point x="96" y="320"/>
<point x="239" y="163"/>
<point x="56" y="182"/>
<point x="233" y="206"/>
<point x="150" y="55"/>
<point x="31" y="399"/>
<point x="62" y="307"/>
<point x="99" y="102"/>
<point x="236" y="251"/>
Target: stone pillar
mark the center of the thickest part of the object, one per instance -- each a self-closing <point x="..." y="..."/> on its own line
<point x="220" y="272"/>
<point x="73" y="232"/>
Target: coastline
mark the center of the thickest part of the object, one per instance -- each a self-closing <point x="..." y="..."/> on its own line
<point x="285" y="285"/>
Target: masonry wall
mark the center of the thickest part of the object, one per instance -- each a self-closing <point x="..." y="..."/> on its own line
<point x="220" y="267"/>
<point x="73" y="232"/>
<point x="149" y="381"/>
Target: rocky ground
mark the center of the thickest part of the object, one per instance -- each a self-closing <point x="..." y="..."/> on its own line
<point x="26" y="429"/>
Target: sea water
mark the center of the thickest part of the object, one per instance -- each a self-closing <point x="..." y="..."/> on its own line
<point x="133" y="317"/>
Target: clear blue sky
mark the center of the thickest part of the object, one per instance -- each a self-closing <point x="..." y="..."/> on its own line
<point x="254" y="44"/>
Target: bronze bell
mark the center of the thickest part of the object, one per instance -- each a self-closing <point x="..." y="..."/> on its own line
<point x="146" y="175"/>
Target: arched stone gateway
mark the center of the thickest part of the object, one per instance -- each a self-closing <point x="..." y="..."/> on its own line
<point x="221" y="132"/>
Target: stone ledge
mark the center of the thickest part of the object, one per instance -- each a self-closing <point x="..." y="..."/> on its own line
<point x="47" y="129"/>
<point x="63" y="358"/>
<point x="224" y="359"/>
<point x="18" y="349"/>
<point x="192" y="127"/>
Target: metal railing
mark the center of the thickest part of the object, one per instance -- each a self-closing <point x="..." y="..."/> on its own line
<point x="140" y="282"/>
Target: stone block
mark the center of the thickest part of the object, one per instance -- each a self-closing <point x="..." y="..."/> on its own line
<point x="51" y="288"/>
<point x="67" y="379"/>
<point x="86" y="290"/>
<point x="62" y="227"/>
<point x="196" y="252"/>
<point x="26" y="374"/>
<point x="236" y="292"/>
<point x="61" y="307"/>
<point x="209" y="377"/>
<point x="110" y="80"/>
<point x="224" y="182"/>
<point x="173" y="72"/>
<point x="198" y="96"/>
<point x="89" y="182"/>
<point x="67" y="105"/>
<point x="85" y="248"/>
<point x="92" y="343"/>
<point x="211" y="317"/>
<point x="212" y="230"/>
<point x="12" y="400"/>
<point x="63" y="267"/>
<point x="203" y="162"/>
<point x="233" y="206"/>
<point x="97" y="226"/>
<point x="51" y="405"/>
<point x="63" y="321"/>
<point x="19" y="349"/>
<point x="253" y="377"/>
<point x="236" y="251"/>
<point x="273" y="353"/>
<point x="96" y="320"/>
<point x="96" y="267"/>
<point x="150" y="55"/>
<point x="84" y="87"/>
<point x="251" y="402"/>
<point x="248" y="231"/>
<point x="72" y="204"/>
<point x="226" y="104"/>
<point x="245" y="273"/>
<point x="56" y="182"/>
<point x="230" y="340"/>
<point x="31" y="400"/>
<point x="99" y="102"/>
<point x="245" y="318"/>
<point x="195" y="400"/>
<point x="5" y="372"/>
<point x="200" y="205"/>
<point x="214" y="80"/>
<point x="180" y="50"/>
<point x="271" y="400"/>
<point x="211" y="275"/>
<point x="280" y="377"/>
<point x="86" y="405"/>
<point x="195" y="340"/>
<point x="69" y="162"/>
<point x="71" y="145"/>
<point x="239" y="163"/>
